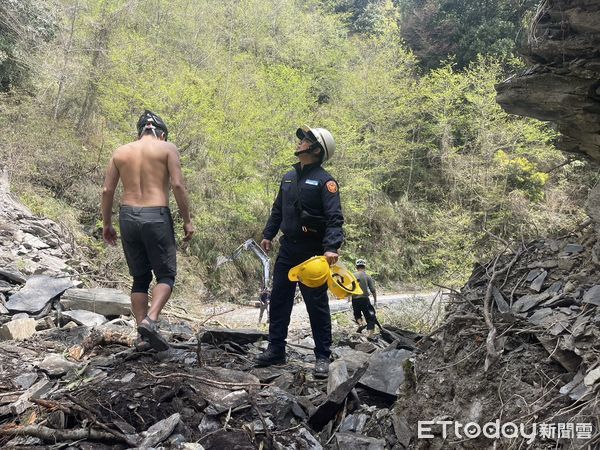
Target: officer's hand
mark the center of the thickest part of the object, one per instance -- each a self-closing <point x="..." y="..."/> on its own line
<point x="266" y="245"/>
<point x="110" y="235"/>
<point x="331" y="257"/>
<point x="188" y="231"/>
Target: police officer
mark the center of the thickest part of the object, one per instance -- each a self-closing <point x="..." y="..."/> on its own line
<point x="308" y="212"/>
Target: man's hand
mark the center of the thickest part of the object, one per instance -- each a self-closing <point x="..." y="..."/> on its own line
<point x="109" y="234"/>
<point x="266" y="245"/>
<point x="188" y="231"/>
<point x="331" y="257"/>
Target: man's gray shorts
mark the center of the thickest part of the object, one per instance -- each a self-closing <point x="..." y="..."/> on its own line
<point x="148" y="240"/>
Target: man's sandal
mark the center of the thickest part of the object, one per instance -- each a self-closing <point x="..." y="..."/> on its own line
<point x="150" y="333"/>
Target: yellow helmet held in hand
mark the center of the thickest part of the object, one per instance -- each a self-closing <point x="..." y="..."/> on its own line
<point x="342" y="282"/>
<point x="313" y="272"/>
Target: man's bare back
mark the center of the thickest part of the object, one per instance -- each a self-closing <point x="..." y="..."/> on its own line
<point x="143" y="167"/>
<point x="146" y="167"/>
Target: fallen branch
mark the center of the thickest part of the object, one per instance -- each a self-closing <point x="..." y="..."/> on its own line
<point x="490" y="342"/>
<point x="49" y="434"/>
<point x="206" y="380"/>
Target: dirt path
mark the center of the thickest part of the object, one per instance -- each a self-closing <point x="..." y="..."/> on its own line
<point x="247" y="316"/>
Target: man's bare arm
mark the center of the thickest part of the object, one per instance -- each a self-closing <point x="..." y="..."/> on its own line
<point x="181" y="197"/>
<point x="108" y="194"/>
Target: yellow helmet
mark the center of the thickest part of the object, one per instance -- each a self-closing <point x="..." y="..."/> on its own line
<point x="313" y="272"/>
<point x="342" y="282"/>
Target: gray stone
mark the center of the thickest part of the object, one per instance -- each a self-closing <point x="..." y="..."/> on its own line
<point x="329" y="408"/>
<point x="36" y="391"/>
<point x="353" y="358"/>
<point x="573" y="248"/>
<point x="19" y="329"/>
<point x="526" y="302"/>
<point x="240" y="336"/>
<point x="538" y="317"/>
<point x="37" y="293"/>
<point x="355" y="441"/>
<point x="557" y="323"/>
<point x="33" y="242"/>
<point x="267" y="374"/>
<point x="537" y="284"/>
<point x="86" y="318"/>
<point x="228" y="396"/>
<point x="258" y="425"/>
<point x="56" y="365"/>
<point x="338" y="373"/>
<point x="566" y="358"/>
<point x="592" y="377"/>
<point x="13" y="274"/>
<point x="547" y="264"/>
<point x="228" y="401"/>
<point x="533" y="274"/>
<point x="576" y="388"/>
<point x="298" y="440"/>
<point x="366" y="347"/>
<point x="500" y="302"/>
<point x="5" y="287"/>
<point x="105" y="301"/>
<point x="226" y="440"/>
<point x="354" y="422"/>
<point x="159" y="431"/>
<point x="554" y="288"/>
<point x="386" y="372"/>
<point x="208" y="424"/>
<point x="20" y="316"/>
<point x="566" y="264"/>
<point x="26" y="380"/>
<point x="402" y="430"/>
<point x="592" y="295"/>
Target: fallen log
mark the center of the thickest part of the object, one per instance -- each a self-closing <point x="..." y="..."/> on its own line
<point x="51" y="435"/>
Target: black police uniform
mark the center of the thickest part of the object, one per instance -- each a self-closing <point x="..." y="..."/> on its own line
<point x="305" y="234"/>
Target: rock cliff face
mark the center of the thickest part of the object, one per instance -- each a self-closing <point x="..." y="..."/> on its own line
<point x="563" y="84"/>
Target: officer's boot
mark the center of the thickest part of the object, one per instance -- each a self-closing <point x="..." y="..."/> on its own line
<point x="270" y="357"/>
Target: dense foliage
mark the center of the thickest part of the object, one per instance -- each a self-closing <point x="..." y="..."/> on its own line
<point x="425" y="163"/>
<point x="438" y="30"/>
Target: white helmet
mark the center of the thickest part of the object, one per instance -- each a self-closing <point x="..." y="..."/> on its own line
<point x="322" y="136"/>
<point x="361" y="262"/>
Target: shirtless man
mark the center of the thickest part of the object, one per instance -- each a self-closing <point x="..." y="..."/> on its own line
<point x="146" y="168"/>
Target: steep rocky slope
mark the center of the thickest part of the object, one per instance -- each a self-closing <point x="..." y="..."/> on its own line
<point x="563" y="83"/>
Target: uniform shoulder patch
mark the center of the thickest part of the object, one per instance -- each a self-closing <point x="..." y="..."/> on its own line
<point x="332" y="186"/>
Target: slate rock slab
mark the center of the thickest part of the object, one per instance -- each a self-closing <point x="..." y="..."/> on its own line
<point x="386" y="373"/>
<point x="19" y="329"/>
<point x="37" y="293"/>
<point x="353" y="358"/>
<point x="355" y="441"/>
<point x="105" y="301"/>
<point x="12" y="273"/>
<point x="592" y="295"/>
<point x="5" y="286"/>
<point x="224" y="439"/>
<point x="240" y="336"/>
<point x="56" y="365"/>
<point x="526" y="302"/>
<point x="86" y="318"/>
<point x="573" y="248"/>
<point x="160" y="431"/>
<point x="329" y="408"/>
<point x="300" y="440"/>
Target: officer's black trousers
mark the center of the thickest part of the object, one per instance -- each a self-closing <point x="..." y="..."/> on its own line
<point x="292" y="253"/>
